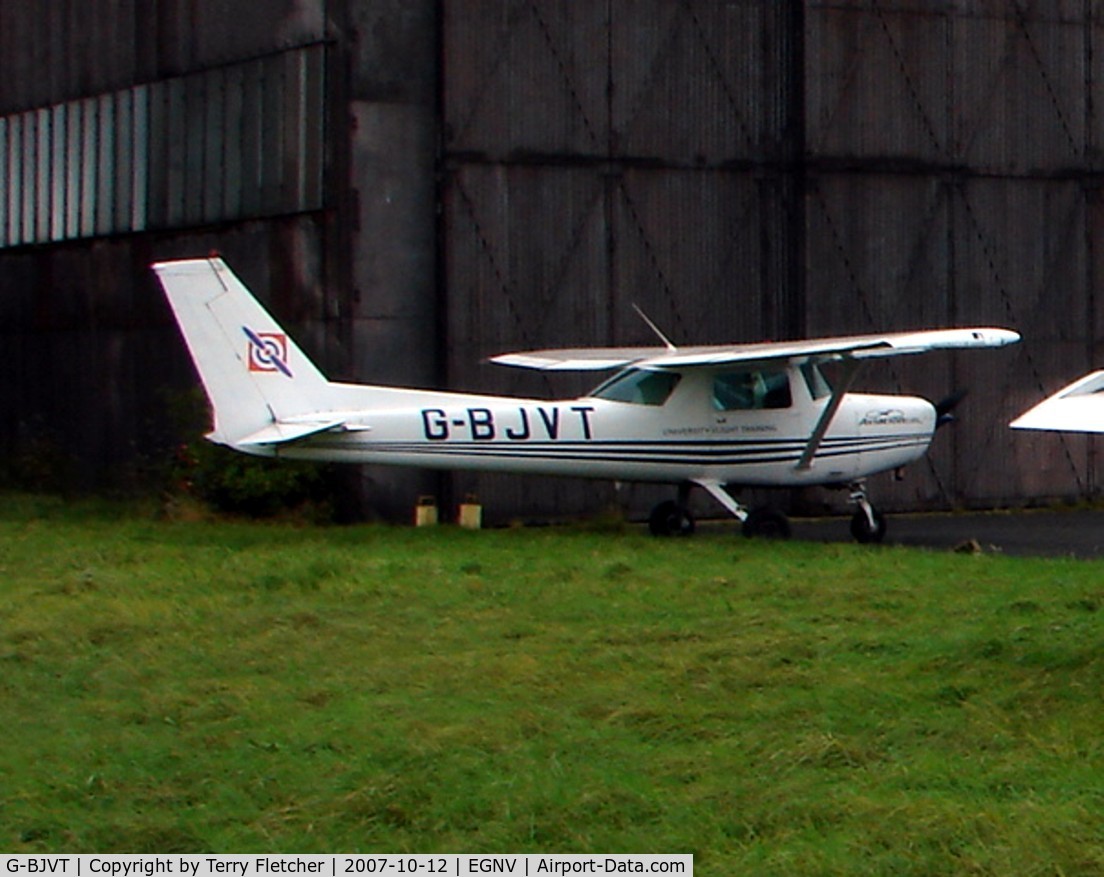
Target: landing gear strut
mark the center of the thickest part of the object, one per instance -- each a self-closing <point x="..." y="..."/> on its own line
<point x="867" y="524"/>
<point x="671" y="518"/>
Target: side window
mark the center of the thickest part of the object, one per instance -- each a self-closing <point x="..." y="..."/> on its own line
<point x="639" y="387"/>
<point x="751" y="390"/>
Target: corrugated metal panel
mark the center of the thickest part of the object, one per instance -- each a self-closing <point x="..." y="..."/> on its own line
<point x="1034" y="277"/>
<point x="55" y="52"/>
<point x="878" y="253"/>
<point x="526" y="78"/>
<point x="1052" y="10"/>
<point x="873" y="65"/>
<point x="527" y="267"/>
<point x="700" y="83"/>
<point x="691" y="83"/>
<point x="897" y="251"/>
<point x="1019" y="92"/>
<point x="690" y="251"/>
<point x="996" y="86"/>
<point x="246" y="140"/>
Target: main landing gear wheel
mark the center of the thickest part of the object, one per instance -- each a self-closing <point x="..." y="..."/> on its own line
<point x="670" y="519"/>
<point x="861" y="527"/>
<point x="766" y="523"/>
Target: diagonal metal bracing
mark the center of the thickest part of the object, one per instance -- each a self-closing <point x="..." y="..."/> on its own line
<point x="1033" y="50"/>
<point x="869" y="27"/>
<point x="653" y="259"/>
<point x="649" y="82"/>
<point x="1023" y="352"/>
<point x="847" y="85"/>
<point x="719" y="75"/>
<point x="686" y="37"/>
<point x="530" y="330"/>
<point x="497" y="58"/>
<point x="677" y="295"/>
<point x="565" y="75"/>
<point x="926" y="229"/>
<point x="910" y="84"/>
<point x="1017" y="34"/>
<point x="502" y="64"/>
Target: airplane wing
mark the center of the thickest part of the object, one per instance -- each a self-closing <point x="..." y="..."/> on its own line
<point x="1076" y="408"/>
<point x="579" y="358"/>
<point x="821" y="349"/>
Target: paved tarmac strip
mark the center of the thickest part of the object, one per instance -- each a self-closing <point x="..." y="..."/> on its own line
<point x="1065" y="533"/>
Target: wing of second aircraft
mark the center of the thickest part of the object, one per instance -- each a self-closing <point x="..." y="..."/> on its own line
<point x="1076" y="408"/>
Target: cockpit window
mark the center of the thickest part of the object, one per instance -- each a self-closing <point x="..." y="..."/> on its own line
<point x="751" y="390"/>
<point x="818" y="385"/>
<point x="638" y="387"/>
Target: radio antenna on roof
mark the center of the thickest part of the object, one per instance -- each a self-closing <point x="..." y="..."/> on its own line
<point x="666" y="341"/>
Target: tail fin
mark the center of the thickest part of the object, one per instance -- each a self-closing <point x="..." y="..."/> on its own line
<point x="263" y="389"/>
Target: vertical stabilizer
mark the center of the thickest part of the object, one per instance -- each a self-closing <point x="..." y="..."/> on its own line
<point x="254" y="374"/>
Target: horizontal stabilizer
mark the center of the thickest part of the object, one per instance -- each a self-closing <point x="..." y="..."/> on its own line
<point x="282" y="432"/>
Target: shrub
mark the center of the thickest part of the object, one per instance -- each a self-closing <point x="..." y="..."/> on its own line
<point x="236" y="483"/>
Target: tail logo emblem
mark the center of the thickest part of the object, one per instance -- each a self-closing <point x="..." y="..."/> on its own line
<point x="268" y="351"/>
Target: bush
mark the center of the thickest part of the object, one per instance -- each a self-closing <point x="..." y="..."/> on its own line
<point x="236" y="483"/>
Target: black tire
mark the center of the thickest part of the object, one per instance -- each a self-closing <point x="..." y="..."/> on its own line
<point x="670" y="519"/>
<point x="860" y="527"/>
<point x="766" y="523"/>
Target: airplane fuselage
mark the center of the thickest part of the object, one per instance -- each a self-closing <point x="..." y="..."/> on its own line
<point x="686" y="438"/>
<point x="757" y="415"/>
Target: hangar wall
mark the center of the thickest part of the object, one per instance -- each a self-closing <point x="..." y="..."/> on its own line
<point x="602" y="155"/>
<point x="445" y="180"/>
<point x="755" y="170"/>
<point x="290" y="135"/>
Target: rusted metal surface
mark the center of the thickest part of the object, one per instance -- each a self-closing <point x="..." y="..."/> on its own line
<point x="54" y="52"/>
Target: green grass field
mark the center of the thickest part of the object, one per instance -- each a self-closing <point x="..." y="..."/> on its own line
<point x="773" y="709"/>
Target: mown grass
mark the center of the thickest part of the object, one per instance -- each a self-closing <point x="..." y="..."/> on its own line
<point x="773" y="709"/>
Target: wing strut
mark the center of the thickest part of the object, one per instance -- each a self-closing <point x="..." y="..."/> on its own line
<point x="839" y="390"/>
<point x="717" y="491"/>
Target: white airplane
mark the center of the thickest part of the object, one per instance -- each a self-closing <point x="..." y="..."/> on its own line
<point x="1076" y="408"/>
<point x="749" y="415"/>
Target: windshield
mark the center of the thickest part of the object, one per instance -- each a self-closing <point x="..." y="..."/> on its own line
<point x="638" y="387"/>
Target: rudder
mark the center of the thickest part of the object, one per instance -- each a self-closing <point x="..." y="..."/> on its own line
<point x="254" y="374"/>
